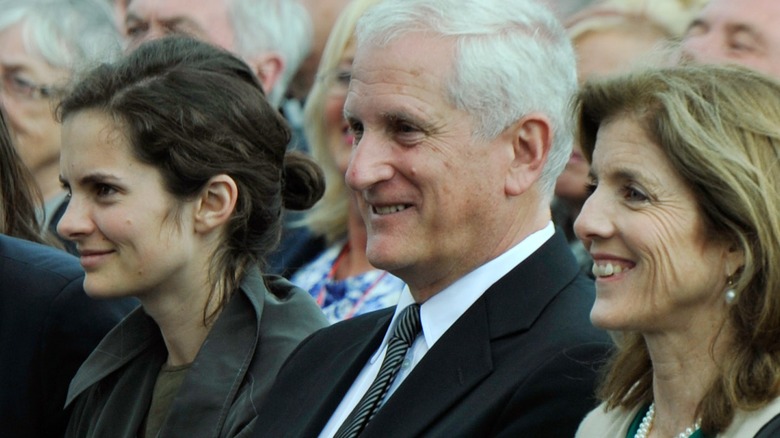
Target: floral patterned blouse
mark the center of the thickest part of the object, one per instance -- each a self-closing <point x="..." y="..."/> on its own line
<point x="343" y="299"/>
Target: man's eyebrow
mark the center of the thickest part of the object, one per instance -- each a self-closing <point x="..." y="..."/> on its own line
<point x="399" y="116"/>
<point x="132" y="17"/>
<point x="394" y="117"/>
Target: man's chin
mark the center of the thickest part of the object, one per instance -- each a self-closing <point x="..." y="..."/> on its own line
<point x="384" y="257"/>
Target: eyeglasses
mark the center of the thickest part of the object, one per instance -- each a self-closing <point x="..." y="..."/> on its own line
<point x="336" y="81"/>
<point x="18" y="87"/>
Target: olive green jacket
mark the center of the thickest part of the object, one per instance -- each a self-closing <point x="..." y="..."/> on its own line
<point x="228" y="379"/>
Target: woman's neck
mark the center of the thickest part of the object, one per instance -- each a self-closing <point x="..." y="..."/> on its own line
<point x="678" y="387"/>
<point x="182" y="320"/>
<point x="684" y="368"/>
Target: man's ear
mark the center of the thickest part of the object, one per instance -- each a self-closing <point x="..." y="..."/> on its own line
<point x="531" y="139"/>
<point x="216" y="203"/>
<point x="268" y="68"/>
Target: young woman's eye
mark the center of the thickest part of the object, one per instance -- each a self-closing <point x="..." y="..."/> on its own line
<point x="104" y="190"/>
<point x="590" y="187"/>
<point x="66" y="188"/>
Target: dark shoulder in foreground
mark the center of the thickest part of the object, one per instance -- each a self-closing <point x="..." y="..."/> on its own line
<point x="48" y="326"/>
<point x="34" y="257"/>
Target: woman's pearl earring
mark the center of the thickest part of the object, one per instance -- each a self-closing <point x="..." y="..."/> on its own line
<point x="731" y="294"/>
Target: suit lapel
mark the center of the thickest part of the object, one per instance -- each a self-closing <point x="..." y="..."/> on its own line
<point x="457" y="363"/>
<point x="462" y="358"/>
<point x="515" y="301"/>
<point x="340" y="367"/>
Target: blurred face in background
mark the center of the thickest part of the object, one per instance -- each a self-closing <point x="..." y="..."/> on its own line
<point x="744" y="32"/>
<point x="206" y="20"/>
<point x="29" y="86"/>
<point x="323" y="14"/>
<point x="338" y="135"/>
<point x="600" y="53"/>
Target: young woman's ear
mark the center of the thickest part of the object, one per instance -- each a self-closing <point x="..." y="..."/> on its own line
<point x="216" y="203"/>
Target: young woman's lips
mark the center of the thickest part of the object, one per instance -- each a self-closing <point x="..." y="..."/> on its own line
<point x="92" y="259"/>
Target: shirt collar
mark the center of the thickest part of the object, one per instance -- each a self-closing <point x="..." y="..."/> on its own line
<point x="441" y="311"/>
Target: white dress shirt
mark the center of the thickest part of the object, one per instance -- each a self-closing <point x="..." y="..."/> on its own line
<point x="437" y="315"/>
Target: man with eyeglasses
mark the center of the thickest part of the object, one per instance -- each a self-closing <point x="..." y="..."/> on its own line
<point x="41" y="43"/>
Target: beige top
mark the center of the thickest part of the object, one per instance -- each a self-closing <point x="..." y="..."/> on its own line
<point x="615" y="423"/>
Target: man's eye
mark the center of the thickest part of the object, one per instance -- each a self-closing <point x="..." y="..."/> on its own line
<point x="744" y="42"/>
<point x="135" y="31"/>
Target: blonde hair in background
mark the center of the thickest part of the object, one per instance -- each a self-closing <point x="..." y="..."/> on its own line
<point x="329" y="216"/>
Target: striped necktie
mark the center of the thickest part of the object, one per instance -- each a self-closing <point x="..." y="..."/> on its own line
<point x="404" y="335"/>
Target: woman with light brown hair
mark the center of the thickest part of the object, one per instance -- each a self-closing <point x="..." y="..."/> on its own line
<point x="683" y="224"/>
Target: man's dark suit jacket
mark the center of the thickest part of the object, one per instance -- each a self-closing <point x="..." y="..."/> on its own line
<point x="48" y="326"/>
<point x="520" y="362"/>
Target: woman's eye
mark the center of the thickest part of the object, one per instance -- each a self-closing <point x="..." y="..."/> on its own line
<point x="356" y="128"/>
<point x="68" y="191"/>
<point x="104" y="190"/>
<point x="406" y="128"/>
<point x="634" y="195"/>
<point x="343" y="78"/>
